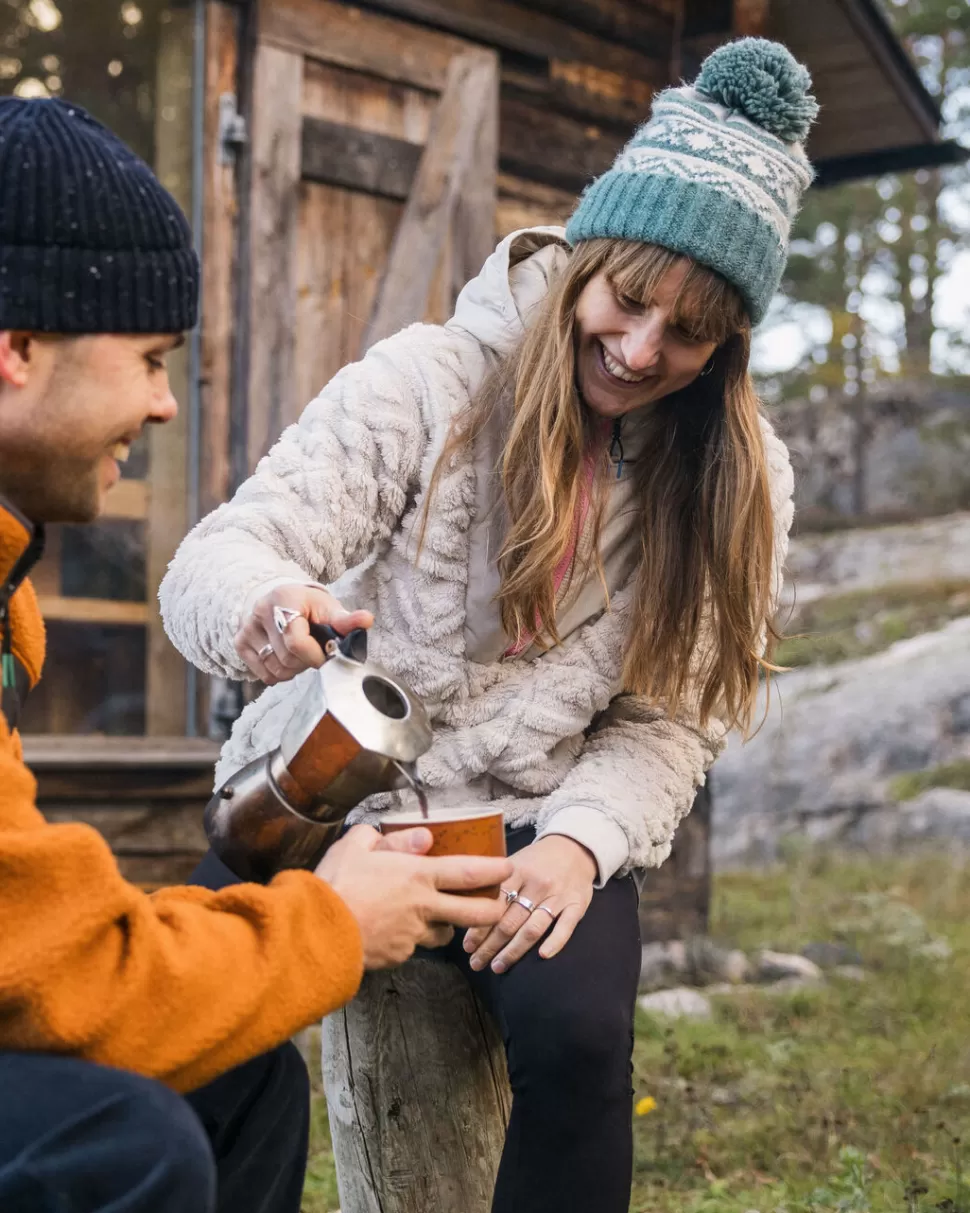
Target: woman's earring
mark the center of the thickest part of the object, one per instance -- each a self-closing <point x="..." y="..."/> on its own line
<point x="707" y="369"/>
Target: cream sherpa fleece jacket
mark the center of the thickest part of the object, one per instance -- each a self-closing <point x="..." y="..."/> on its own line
<point x="336" y="500"/>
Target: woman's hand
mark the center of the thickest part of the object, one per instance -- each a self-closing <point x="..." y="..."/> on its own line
<point x="275" y="656"/>
<point x="556" y="874"/>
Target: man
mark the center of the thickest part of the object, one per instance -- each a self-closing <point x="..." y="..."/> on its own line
<point x="142" y="1058"/>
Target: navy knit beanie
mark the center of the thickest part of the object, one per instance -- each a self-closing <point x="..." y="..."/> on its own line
<point x="90" y="242"/>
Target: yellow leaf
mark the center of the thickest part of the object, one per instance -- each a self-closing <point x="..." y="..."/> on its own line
<point x="645" y="1106"/>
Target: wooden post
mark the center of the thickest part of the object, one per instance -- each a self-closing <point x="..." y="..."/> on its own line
<point x="417" y="1093"/>
<point x="464" y="126"/>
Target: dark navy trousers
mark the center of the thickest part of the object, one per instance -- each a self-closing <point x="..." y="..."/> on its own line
<point x="82" y="1138"/>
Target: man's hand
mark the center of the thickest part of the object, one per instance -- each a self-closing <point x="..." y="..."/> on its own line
<point x="401" y="898"/>
<point x="274" y="656"/>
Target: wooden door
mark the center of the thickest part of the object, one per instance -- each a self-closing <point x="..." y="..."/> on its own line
<point x="372" y="191"/>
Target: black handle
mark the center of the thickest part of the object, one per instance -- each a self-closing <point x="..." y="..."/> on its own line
<point x="353" y="645"/>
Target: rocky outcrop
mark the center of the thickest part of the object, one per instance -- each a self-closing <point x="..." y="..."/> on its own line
<point x="847" y="562"/>
<point x="901" y="451"/>
<point x="847" y="755"/>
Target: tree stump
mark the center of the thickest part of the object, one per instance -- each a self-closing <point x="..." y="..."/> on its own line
<point x="417" y="1093"/>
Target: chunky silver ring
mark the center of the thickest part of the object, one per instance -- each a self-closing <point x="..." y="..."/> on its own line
<point x="265" y="651"/>
<point x="546" y="910"/>
<point x="510" y="896"/>
<point x="525" y="903"/>
<point x="284" y="616"/>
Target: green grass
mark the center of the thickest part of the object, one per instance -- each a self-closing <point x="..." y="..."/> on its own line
<point x="848" y="626"/>
<point x="913" y="783"/>
<point x="853" y="1096"/>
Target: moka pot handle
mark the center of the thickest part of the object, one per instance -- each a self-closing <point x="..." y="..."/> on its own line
<point x="353" y="645"/>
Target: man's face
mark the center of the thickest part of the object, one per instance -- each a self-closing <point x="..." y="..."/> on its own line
<point x="70" y="408"/>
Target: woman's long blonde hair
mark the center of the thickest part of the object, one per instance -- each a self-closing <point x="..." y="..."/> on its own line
<point x="703" y="593"/>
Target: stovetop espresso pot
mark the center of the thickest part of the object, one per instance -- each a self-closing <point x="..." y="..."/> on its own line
<point x="357" y="730"/>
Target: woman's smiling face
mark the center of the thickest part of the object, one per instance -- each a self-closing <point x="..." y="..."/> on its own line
<point x="630" y="353"/>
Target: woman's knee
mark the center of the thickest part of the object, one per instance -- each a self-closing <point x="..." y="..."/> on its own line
<point x="573" y="1042"/>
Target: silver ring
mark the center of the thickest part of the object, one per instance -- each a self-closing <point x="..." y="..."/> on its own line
<point x="546" y="910"/>
<point x="525" y="903"/>
<point x="284" y="616"/>
<point x="265" y="651"/>
<point x="510" y="896"/>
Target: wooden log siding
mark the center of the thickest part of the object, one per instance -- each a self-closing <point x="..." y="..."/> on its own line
<point x="145" y="796"/>
<point x="750" y="18"/>
<point x="510" y="27"/>
<point x="535" y="144"/>
<point x="410" y="54"/>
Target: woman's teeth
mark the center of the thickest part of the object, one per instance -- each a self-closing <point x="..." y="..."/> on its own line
<point x="120" y="452"/>
<point x="617" y="369"/>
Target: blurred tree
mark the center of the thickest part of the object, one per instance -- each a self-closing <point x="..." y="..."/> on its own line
<point x="869" y="257"/>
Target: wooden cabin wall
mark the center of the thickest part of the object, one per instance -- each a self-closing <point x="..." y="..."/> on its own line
<point x="571" y="90"/>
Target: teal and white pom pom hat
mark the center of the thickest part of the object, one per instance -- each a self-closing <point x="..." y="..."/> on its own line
<point x="717" y="172"/>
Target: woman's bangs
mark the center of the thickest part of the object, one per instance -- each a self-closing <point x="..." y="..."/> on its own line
<point x="707" y="307"/>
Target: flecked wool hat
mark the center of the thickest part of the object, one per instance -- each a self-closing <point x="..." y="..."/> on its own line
<point x="90" y="241"/>
<point x="718" y="170"/>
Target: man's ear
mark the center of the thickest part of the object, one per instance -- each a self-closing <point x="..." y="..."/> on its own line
<point x="16" y="352"/>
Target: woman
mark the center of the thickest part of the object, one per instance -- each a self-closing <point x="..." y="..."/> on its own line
<point x="569" y="520"/>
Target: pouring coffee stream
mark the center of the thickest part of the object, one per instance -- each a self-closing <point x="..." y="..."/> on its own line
<point x="410" y="772"/>
<point x="358" y="730"/>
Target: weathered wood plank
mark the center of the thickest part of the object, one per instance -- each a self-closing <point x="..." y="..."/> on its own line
<point x="276" y="128"/>
<point x="146" y="830"/>
<point x="94" y="610"/>
<point x="522" y="31"/>
<point x="165" y="675"/>
<point x="152" y="872"/>
<point x="345" y="236"/>
<point x="345" y="35"/>
<point x="561" y="152"/>
<point x="579" y="91"/>
<point x="636" y="23"/>
<point x="410" y="54"/>
<point x="587" y="91"/>
<point x="118" y="753"/>
<point x="361" y="100"/>
<point x="336" y="154"/>
<point x="325" y="213"/>
<point x="417" y="1092"/>
<point x="467" y="101"/>
<point x="128" y="499"/>
<point x="472" y="236"/>
<point x="219" y="253"/>
<point x="553" y="148"/>
<point x="750" y="18"/>
<point x="523" y="203"/>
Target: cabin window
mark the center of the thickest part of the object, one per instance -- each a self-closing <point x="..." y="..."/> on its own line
<point x="110" y="669"/>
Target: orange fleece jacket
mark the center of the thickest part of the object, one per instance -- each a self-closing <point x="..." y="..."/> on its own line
<point x="181" y="985"/>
